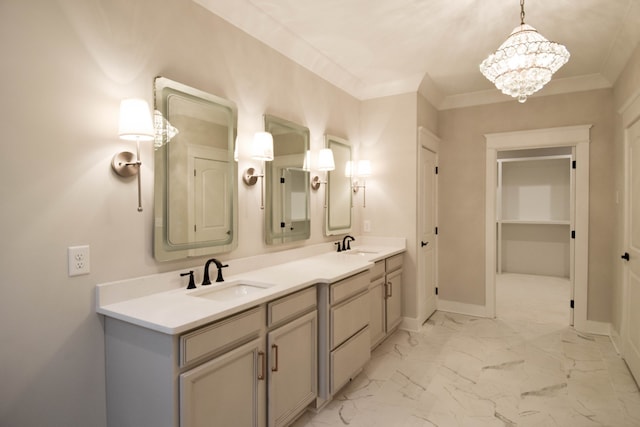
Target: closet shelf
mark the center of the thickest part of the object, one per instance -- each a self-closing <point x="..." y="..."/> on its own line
<point x="534" y="222"/>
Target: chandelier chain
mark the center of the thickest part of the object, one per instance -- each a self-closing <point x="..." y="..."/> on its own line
<point x="521" y="12"/>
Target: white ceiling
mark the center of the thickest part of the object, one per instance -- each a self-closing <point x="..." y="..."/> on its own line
<point x="373" y="48"/>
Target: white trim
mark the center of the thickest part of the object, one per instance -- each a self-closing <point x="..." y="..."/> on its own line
<point x="411" y="324"/>
<point x="616" y="339"/>
<point x="597" y="328"/>
<point x="462" y="308"/>
<point x="575" y="136"/>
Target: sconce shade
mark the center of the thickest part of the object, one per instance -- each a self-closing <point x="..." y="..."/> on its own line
<point x="364" y="168"/>
<point x="262" y="148"/>
<point x="348" y="169"/>
<point x="325" y="160"/>
<point x="135" y="120"/>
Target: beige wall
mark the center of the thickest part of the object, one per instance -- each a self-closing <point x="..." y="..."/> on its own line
<point x="462" y="189"/>
<point x="388" y="139"/>
<point x="66" y="66"/>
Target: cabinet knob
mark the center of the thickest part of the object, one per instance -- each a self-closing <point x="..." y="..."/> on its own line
<point x="625" y="256"/>
<point x="423" y="244"/>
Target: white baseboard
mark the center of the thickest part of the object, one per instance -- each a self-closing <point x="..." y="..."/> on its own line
<point x="616" y="339"/>
<point x="411" y="324"/>
<point x="462" y="308"/>
<point x="593" y="327"/>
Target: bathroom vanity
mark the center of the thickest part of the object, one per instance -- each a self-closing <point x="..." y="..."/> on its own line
<point x="255" y="350"/>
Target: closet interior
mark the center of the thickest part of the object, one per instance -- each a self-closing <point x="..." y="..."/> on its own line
<point x="535" y="212"/>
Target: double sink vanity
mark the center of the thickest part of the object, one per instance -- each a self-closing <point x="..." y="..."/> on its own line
<point x="284" y="332"/>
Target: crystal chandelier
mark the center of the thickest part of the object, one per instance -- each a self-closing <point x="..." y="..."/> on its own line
<point x="525" y="62"/>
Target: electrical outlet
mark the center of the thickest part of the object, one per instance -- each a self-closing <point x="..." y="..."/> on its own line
<point x="367" y="226"/>
<point x="79" y="260"/>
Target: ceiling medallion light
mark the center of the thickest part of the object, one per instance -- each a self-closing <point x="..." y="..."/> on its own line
<point x="525" y="62"/>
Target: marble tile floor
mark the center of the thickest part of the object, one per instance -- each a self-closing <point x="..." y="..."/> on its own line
<point x="527" y="367"/>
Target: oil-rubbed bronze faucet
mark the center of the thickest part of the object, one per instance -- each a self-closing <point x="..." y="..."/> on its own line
<point x="205" y="279"/>
<point x="346" y="242"/>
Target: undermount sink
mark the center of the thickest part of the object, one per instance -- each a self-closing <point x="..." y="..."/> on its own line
<point x="361" y="252"/>
<point x="231" y="291"/>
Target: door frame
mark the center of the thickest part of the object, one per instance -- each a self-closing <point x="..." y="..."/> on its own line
<point x="567" y="136"/>
<point x="429" y="141"/>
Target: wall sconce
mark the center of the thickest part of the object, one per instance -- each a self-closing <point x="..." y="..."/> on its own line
<point x="261" y="149"/>
<point x="135" y="125"/>
<point x="363" y="170"/>
<point x="325" y="164"/>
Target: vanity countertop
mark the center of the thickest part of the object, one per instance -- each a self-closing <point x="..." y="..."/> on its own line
<point x="153" y="303"/>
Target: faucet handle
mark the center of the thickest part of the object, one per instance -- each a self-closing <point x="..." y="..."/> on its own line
<point x="220" y="278"/>
<point x="192" y="283"/>
<point x="339" y="247"/>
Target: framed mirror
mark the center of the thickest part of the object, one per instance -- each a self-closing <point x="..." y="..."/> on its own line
<point x="338" y="211"/>
<point x="287" y="216"/>
<point x="196" y="188"/>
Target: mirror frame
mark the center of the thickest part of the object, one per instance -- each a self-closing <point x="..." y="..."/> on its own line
<point x="334" y="178"/>
<point x="164" y="249"/>
<point x="300" y="230"/>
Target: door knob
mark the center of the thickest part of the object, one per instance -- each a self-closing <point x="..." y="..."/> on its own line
<point x="625" y="256"/>
<point x="423" y="244"/>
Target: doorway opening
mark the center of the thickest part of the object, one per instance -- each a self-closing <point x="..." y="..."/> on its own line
<point x="575" y="139"/>
<point x="534" y="220"/>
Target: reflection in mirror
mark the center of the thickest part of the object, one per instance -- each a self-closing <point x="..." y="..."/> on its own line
<point x="287" y="216"/>
<point x="338" y="212"/>
<point x="195" y="174"/>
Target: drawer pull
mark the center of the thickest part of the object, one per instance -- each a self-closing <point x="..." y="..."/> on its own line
<point x="263" y="365"/>
<point x="274" y="353"/>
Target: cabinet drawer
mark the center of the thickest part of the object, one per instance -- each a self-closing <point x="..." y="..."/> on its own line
<point x="291" y="306"/>
<point x="376" y="271"/>
<point x="348" y="318"/>
<point x="394" y="263"/>
<point x="221" y="336"/>
<point x="350" y="286"/>
<point x="347" y="359"/>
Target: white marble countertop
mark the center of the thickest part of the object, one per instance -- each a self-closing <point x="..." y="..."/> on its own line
<point x="162" y="303"/>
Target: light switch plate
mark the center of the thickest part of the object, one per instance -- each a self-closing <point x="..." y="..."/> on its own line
<point x="79" y="260"/>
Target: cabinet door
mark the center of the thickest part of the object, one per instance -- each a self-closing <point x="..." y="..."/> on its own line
<point x="293" y="368"/>
<point x="377" y="321"/>
<point x="394" y="299"/>
<point x="226" y="391"/>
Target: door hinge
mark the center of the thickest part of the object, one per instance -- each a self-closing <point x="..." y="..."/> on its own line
<point x="282" y="180"/>
<point x="195" y="228"/>
<point x="436" y="290"/>
<point x="573" y="234"/>
<point x="436" y="170"/>
<point x="573" y="164"/>
<point x="571" y="305"/>
<point x="195" y="173"/>
<point x="436" y="231"/>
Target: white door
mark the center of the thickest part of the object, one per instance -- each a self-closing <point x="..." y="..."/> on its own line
<point x="211" y="197"/>
<point x="427" y="218"/>
<point x="631" y="327"/>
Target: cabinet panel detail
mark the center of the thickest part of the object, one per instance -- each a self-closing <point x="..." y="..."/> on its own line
<point x="295" y="382"/>
<point x="377" y="319"/>
<point x="348" y="287"/>
<point x="394" y="263"/>
<point x="348" y="359"/>
<point x="291" y="306"/>
<point x="348" y="318"/>
<point x="221" y="335"/>
<point x="224" y="391"/>
<point x="377" y="271"/>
